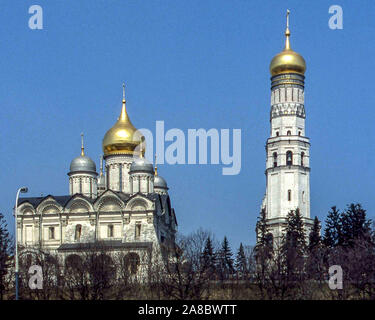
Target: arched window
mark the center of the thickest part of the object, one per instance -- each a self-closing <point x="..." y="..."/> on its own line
<point x="302" y="156"/>
<point x="132" y="262"/>
<point x="289" y="195"/>
<point x="288" y="133"/>
<point x="77" y="234"/>
<point x="138" y="230"/>
<point x="269" y="240"/>
<point x="277" y="133"/>
<point x="275" y="159"/>
<point x="299" y="133"/>
<point x="289" y="158"/>
<point x="51" y="233"/>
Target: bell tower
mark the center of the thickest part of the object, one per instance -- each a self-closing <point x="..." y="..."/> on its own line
<point x="288" y="147"/>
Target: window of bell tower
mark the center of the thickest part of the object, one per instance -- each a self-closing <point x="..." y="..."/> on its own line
<point x="289" y="158"/>
<point x="275" y="159"/>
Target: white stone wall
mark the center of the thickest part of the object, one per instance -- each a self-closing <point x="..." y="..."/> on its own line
<point x="84" y="183"/>
<point x="141" y="182"/>
<point x="113" y="164"/>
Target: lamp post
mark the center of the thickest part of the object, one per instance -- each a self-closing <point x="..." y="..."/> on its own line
<point x="23" y="190"/>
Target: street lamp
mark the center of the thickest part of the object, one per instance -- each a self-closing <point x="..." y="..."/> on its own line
<point x="23" y="190"/>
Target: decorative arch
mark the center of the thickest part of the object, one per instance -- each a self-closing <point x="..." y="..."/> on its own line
<point x="139" y="203"/>
<point x="79" y="205"/>
<point x="26" y="208"/>
<point x="49" y="205"/>
<point x="109" y="201"/>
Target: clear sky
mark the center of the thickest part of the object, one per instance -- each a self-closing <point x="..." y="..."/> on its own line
<point x="193" y="64"/>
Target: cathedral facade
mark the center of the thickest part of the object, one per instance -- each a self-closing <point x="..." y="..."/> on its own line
<point x="126" y="207"/>
<point x="288" y="147"/>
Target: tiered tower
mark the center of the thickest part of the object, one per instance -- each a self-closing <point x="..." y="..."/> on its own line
<point x="287" y="148"/>
<point x="82" y="175"/>
<point x="121" y="144"/>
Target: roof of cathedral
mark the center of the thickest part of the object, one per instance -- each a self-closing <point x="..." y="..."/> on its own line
<point x="141" y="165"/>
<point x="159" y="182"/>
<point x="35" y="201"/>
<point x="82" y="163"/>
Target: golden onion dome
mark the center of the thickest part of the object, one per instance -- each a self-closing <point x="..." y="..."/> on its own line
<point x="287" y="61"/>
<point x="122" y="137"/>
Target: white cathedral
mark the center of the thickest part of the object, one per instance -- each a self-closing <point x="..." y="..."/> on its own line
<point x="126" y="208"/>
<point x="288" y="147"/>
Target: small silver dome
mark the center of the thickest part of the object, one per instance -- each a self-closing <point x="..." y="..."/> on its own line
<point x="160" y="183"/>
<point x="141" y="165"/>
<point x="82" y="163"/>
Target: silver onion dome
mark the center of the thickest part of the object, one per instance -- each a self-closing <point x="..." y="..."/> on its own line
<point x="82" y="163"/>
<point x="141" y="165"/>
<point x="159" y="182"/>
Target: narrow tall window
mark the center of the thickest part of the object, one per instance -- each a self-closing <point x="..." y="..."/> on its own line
<point x="289" y="158"/>
<point x="77" y="234"/>
<point x="277" y="133"/>
<point x="302" y="156"/>
<point x="289" y="195"/>
<point x="51" y="233"/>
<point x="137" y="230"/>
<point x="288" y="133"/>
<point x="110" y="231"/>
<point x="90" y="187"/>
<point x="275" y="159"/>
<point x="80" y="185"/>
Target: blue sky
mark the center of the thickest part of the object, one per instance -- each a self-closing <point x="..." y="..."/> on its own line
<point x="193" y="64"/>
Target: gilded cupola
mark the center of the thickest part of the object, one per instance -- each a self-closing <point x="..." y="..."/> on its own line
<point x="287" y="61"/>
<point x="122" y="137"/>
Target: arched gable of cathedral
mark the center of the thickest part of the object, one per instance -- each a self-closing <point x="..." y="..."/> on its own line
<point x="49" y="205"/>
<point x="26" y="208"/>
<point x="78" y="204"/>
<point x="139" y="202"/>
<point x="109" y="202"/>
